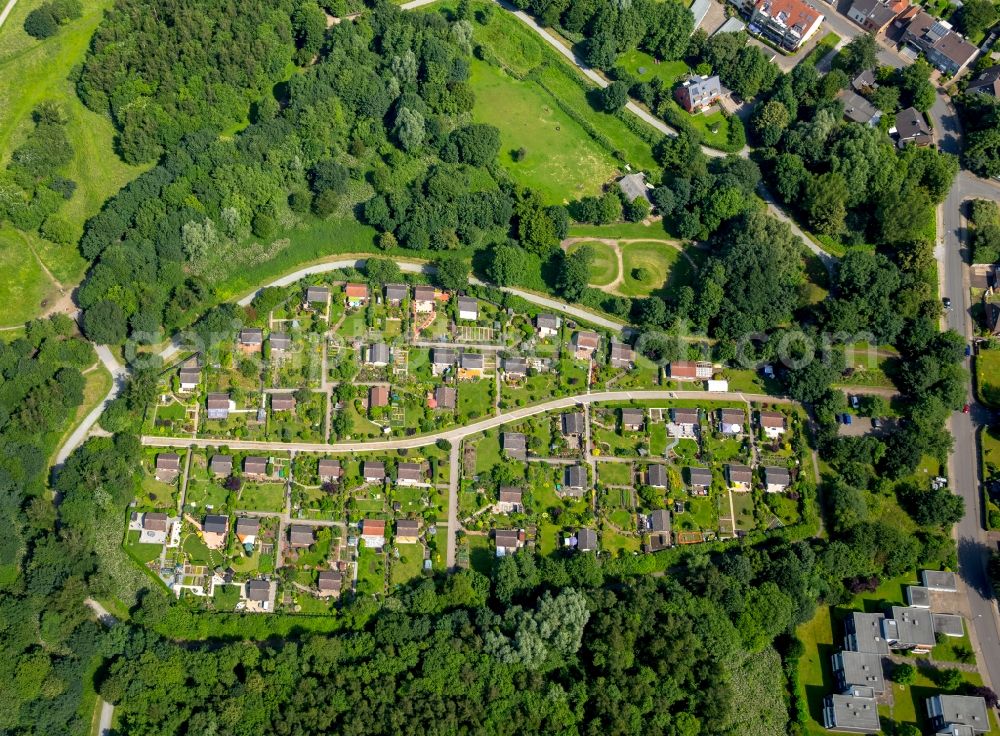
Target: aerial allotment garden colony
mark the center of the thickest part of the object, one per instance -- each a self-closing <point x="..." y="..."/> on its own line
<point x="568" y="367"/>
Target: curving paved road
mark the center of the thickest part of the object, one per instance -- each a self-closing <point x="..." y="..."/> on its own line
<point x="118" y="376"/>
<point x="456" y="434"/>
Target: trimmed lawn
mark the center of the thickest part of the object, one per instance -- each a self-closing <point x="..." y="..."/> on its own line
<point x="481" y="554"/>
<point x="409" y="564"/>
<point x="657" y="439"/>
<point x="142" y="552"/>
<point x="815" y="675"/>
<point x="604" y="267"/>
<point x="487" y="452"/>
<point x="646" y="267"/>
<point x="371" y="572"/>
<point x="615" y="474"/>
<point x="474" y="399"/>
<point x="988" y="377"/>
<point x="618" y="231"/>
<point x="561" y="160"/>
<point x="644" y="67"/>
<point x="24" y="286"/>
<point x="198" y="552"/>
<point x="226" y="597"/>
<point x="262" y="497"/>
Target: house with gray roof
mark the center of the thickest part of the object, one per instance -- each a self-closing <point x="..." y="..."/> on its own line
<point x="858" y="669"/>
<point x="255" y="465"/>
<point x="918" y="596"/>
<point x="731" y="421"/>
<point x="515" y="445"/>
<point x="218" y="406"/>
<point x="508" y="541"/>
<point x="442" y="359"/>
<point x="280" y="342"/>
<point x="622" y="355"/>
<point x="300" y="535"/>
<point x="221" y="465"/>
<point x="409" y="474"/>
<point x="632" y="419"/>
<point x="912" y="129"/>
<point x="656" y="476"/>
<point x="958" y="710"/>
<point x="258" y="591"/>
<point x="446" y="397"/>
<point x="586" y="540"/>
<point x="317" y="295"/>
<point x="247" y="529"/>
<point x="378" y="355"/>
<point x="863" y="633"/>
<point x="659" y="531"/>
<point x="948" y="624"/>
<point x="329" y="470"/>
<point x="251" y="337"/>
<point x="859" y="110"/>
<point x="700" y="480"/>
<point x="776" y="480"/>
<point x="573" y="423"/>
<point x="575" y="477"/>
<point x="510" y="500"/>
<point x="855" y="712"/>
<point x="938" y="41"/>
<point x="515" y="367"/>
<point x="190" y="377"/>
<point x="468" y="308"/>
<point x="282" y="402"/>
<point x="634" y="186"/>
<point x="940" y="580"/>
<point x="329" y="582"/>
<point x="909" y="628"/>
<point x="373" y="470"/>
<point x="168" y="467"/>
<point x="548" y="325"/>
<point x="395" y="294"/>
<point x="697" y="93"/>
<point x="740" y="477"/>
<point x="987" y="83"/>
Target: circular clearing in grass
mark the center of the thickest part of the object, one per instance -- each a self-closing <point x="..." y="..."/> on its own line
<point x="647" y="267"/>
<point x="604" y="267"/>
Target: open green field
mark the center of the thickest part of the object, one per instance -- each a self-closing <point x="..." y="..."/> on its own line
<point x="647" y="267"/>
<point x="619" y="231"/>
<point x="988" y="377"/>
<point x="644" y="68"/>
<point x="24" y="287"/>
<point x="32" y="72"/>
<point x="561" y="161"/>
<point x="604" y="267"/>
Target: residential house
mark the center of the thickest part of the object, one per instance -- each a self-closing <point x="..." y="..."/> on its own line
<point x="945" y="49"/>
<point x="280" y="342"/>
<point x="468" y="308"/>
<point x="739" y="477"/>
<point x="634" y="186"/>
<point x="446" y="397"/>
<point x="948" y="624"/>
<point x="378" y="355"/>
<point x="255" y="466"/>
<point x="859" y="110"/>
<point x="214" y="530"/>
<point x="547" y="325"/>
<point x="585" y="344"/>
<point x="407" y="531"/>
<point x="218" y="406"/>
<point x="699" y="480"/>
<point x="787" y="23"/>
<point x="970" y="711"/>
<point x="515" y="367"/>
<point x="943" y="581"/>
<point x="329" y="470"/>
<point x="257" y="591"/>
<point x="911" y="129"/>
<point x="395" y="294"/>
<point x="247" y="529"/>
<point x="863" y="633"/>
<point x="689" y="370"/>
<point x="190" y="378"/>
<point x="471" y="366"/>
<point x="251" y="339"/>
<point x="373" y="533"/>
<point x="659" y="531"/>
<point x="221" y="465"/>
<point x="574" y="478"/>
<point x="317" y="295"/>
<point x="300" y="536"/>
<point x="586" y="540"/>
<point x="373" y="471"/>
<point x="282" y="402"/>
<point x="909" y="628"/>
<point x="442" y="359"/>
<point x="155" y="528"/>
<point x="168" y="467"/>
<point x="864" y="83"/>
<point x="632" y="419"/>
<point x="510" y="500"/>
<point x="772" y="423"/>
<point x="858" y="669"/>
<point x="855" y="711"/>
<point x="357" y="295"/>
<point x="409" y="474"/>
<point x="622" y="355"/>
<point x="424" y="299"/>
<point x="508" y="541"/>
<point x="697" y="93"/>
<point x="685" y="419"/>
<point x="987" y="83"/>
<point x="875" y="15"/>
<point x="573" y="424"/>
<point x="378" y="396"/>
<point x="776" y="480"/>
<point x="656" y="476"/>
<point x="514" y="444"/>
<point x="731" y="422"/>
<point x="918" y="596"/>
<point x="329" y="582"/>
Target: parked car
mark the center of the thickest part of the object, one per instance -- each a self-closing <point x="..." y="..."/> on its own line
<point x="848" y="419"/>
<point x="947" y="302"/>
<point x="968" y="350"/>
<point x="965" y="409"/>
<point x="876" y="423"/>
<point x="855" y="403"/>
